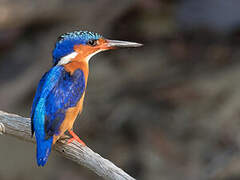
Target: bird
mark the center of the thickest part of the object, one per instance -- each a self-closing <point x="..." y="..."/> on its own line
<point x="60" y="93"/>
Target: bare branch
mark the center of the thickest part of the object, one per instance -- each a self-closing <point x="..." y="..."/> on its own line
<point x="11" y="124"/>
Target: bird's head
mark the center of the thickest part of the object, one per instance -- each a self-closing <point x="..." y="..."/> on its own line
<point x="84" y="43"/>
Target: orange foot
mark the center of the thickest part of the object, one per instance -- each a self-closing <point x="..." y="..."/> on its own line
<point x="75" y="137"/>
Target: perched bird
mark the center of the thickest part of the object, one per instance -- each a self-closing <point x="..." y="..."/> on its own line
<point x="60" y="93"/>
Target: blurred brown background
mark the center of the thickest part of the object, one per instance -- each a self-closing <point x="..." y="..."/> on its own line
<point x="169" y="110"/>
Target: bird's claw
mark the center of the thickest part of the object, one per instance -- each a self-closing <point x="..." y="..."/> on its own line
<point x="75" y="137"/>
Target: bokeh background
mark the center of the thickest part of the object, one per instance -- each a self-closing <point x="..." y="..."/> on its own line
<point x="169" y="110"/>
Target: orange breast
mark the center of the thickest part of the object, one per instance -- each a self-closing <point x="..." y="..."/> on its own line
<point x="74" y="65"/>
<point x="72" y="112"/>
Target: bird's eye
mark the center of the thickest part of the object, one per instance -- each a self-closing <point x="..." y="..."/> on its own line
<point x="92" y="42"/>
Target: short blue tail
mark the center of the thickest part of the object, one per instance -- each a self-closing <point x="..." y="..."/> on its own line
<point x="43" y="150"/>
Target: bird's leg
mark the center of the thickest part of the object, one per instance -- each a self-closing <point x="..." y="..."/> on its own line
<point x="75" y="137"/>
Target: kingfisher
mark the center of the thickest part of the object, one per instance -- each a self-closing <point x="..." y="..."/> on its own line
<point x="60" y="93"/>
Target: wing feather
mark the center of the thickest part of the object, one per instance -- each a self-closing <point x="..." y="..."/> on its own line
<point x="36" y="99"/>
<point x="67" y="92"/>
<point x="56" y="92"/>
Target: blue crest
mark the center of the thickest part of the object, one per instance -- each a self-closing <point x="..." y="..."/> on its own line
<point x="66" y="42"/>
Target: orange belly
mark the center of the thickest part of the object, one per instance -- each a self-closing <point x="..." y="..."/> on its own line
<point x="69" y="120"/>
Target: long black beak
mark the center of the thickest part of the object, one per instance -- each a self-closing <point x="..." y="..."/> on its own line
<point x="122" y="44"/>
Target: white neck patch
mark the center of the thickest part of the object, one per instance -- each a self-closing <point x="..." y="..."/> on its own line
<point x="66" y="59"/>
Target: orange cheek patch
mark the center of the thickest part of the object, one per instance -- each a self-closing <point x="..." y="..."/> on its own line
<point x="102" y="44"/>
<point x="101" y="41"/>
<point x="84" y="50"/>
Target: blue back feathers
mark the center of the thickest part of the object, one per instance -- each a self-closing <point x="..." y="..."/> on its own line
<point x="64" y="95"/>
<point x="59" y="90"/>
<point x="66" y="42"/>
<point x="56" y="92"/>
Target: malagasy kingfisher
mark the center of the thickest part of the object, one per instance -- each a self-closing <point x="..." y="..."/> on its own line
<point x="60" y="93"/>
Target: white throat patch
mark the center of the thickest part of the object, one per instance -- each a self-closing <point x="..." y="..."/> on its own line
<point x="66" y="59"/>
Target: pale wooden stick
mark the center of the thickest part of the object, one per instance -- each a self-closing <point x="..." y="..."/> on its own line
<point x="20" y="127"/>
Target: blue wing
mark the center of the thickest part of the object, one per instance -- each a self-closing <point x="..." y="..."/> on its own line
<point x="67" y="92"/>
<point x="57" y="91"/>
<point x="46" y="84"/>
<point x="36" y="98"/>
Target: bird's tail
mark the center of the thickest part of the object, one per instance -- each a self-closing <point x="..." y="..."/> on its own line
<point x="44" y="147"/>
